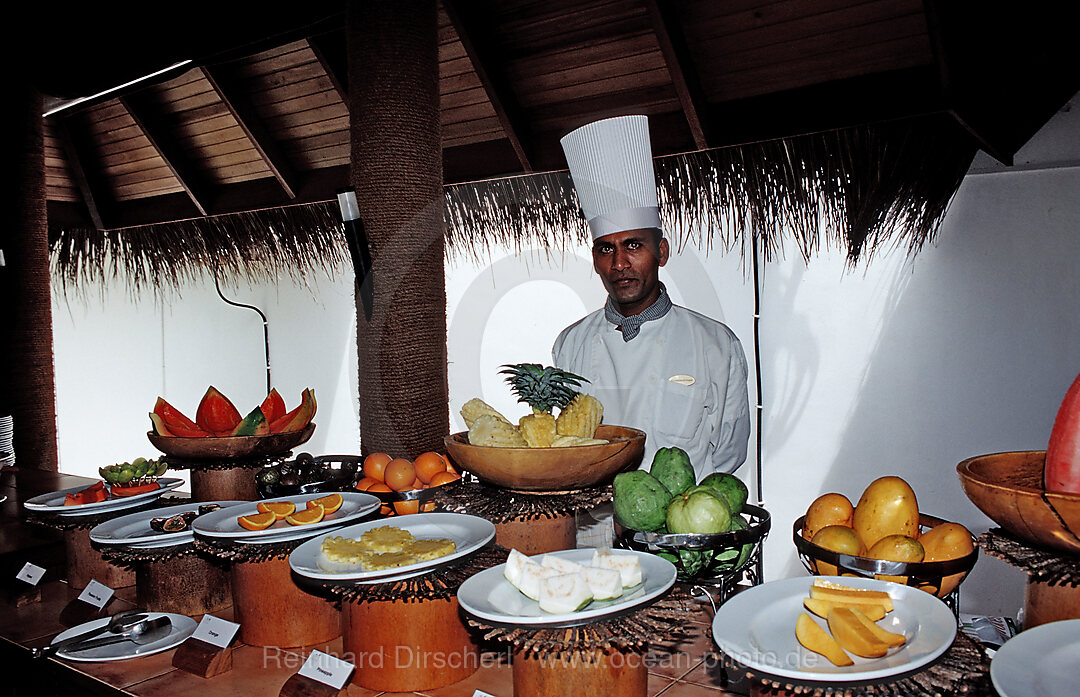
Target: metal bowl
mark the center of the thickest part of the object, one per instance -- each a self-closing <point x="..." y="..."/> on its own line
<point x="1008" y="487"/>
<point x="230" y="447"/>
<point x="551" y="469"/>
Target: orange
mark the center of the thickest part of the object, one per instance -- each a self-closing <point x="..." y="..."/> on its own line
<point x="280" y="509"/>
<point x="381" y="488"/>
<point x="366" y="483"/>
<point x="399" y="474"/>
<point x="428" y="465"/>
<point x="417" y="484"/>
<point x="443" y="478"/>
<point x="330" y="503"/>
<point x="428" y="506"/>
<point x="375" y="465"/>
<point x="406" y="507"/>
<point x="259" y="521"/>
<point x="306" y="516"/>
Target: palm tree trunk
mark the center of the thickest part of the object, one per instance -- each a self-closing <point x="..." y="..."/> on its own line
<point x="27" y="376"/>
<point x="396" y="169"/>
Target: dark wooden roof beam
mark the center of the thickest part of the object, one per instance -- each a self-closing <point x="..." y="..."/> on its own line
<point x="477" y="35"/>
<point x="90" y="181"/>
<point x="329" y="50"/>
<point x="241" y="108"/>
<point x="143" y="111"/>
<point x="680" y="63"/>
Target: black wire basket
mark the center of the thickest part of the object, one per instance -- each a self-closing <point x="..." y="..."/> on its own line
<point x="928" y="576"/>
<point x="719" y="559"/>
<point x="308" y="474"/>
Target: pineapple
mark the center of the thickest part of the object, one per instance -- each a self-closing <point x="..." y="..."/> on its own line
<point x="386" y="538"/>
<point x="542" y="388"/>
<point x="538" y="429"/>
<point x="490" y="431"/>
<point x="580" y="417"/>
<point x="475" y="408"/>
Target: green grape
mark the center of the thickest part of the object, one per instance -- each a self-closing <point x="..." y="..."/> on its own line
<point x="160" y="468"/>
<point x="126" y="475"/>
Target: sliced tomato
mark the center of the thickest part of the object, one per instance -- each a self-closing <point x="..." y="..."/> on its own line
<point x="133" y="490"/>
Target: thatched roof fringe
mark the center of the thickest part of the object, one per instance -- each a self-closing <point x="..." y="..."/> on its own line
<point x="862" y="189"/>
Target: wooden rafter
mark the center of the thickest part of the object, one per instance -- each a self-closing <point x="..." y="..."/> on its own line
<point x="239" y="105"/>
<point x="684" y="77"/>
<point x="156" y="131"/>
<point x="77" y="152"/>
<point x="477" y="36"/>
<point x="329" y="50"/>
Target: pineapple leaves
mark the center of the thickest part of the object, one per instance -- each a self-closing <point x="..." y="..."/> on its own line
<point x="541" y="387"/>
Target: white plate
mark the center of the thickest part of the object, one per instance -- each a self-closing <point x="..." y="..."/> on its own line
<point x="757" y="628"/>
<point x="1039" y="662"/>
<point x="223" y="523"/>
<point x="53" y="502"/>
<point x="468" y="532"/>
<point x="182" y="627"/>
<point x="489" y="596"/>
<point x="134" y="529"/>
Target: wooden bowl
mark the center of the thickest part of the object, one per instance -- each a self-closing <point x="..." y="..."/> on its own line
<point x="1008" y="487"/>
<point x="551" y="469"/>
<point x="230" y="447"/>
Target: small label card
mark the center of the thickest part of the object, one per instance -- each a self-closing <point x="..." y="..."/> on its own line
<point x="324" y="668"/>
<point x="96" y="594"/>
<point x="30" y="573"/>
<point x="216" y="631"/>
<point x="481" y="693"/>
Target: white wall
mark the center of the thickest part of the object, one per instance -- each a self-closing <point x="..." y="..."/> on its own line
<point x="898" y="366"/>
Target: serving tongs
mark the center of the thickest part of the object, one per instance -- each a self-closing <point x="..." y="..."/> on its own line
<point x="129" y="625"/>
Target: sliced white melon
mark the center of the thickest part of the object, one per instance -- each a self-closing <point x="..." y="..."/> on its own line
<point x="564" y="593"/>
<point x="563" y="566"/>
<point x="626" y="564"/>
<point x="531" y="575"/>
<point x="515" y="561"/>
<point x="605" y="584"/>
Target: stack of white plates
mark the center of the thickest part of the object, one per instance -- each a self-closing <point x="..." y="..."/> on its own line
<point x="7" y="437"/>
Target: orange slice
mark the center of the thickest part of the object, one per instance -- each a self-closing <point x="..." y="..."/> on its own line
<point x="259" y="521"/>
<point x="280" y="509"/>
<point x="406" y="507"/>
<point x="306" y="516"/>
<point x="329" y="503"/>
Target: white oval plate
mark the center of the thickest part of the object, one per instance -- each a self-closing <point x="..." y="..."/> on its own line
<point x="1039" y="662"/>
<point x="757" y="628"/>
<point x="182" y="627"/>
<point x="489" y="596"/>
<point x="468" y="532"/>
<point x="223" y="523"/>
<point x="134" y="529"/>
<point x="53" y="502"/>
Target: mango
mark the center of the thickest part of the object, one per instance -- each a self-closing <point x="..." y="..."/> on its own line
<point x="890" y="639"/>
<point x="896" y="548"/>
<point x="944" y="542"/>
<point x="825" y="510"/>
<point x="853" y="636"/>
<point x="821" y="608"/>
<point x="887" y="507"/>
<point x="837" y="538"/>
<point x="816" y="639"/>
<point x="852" y="596"/>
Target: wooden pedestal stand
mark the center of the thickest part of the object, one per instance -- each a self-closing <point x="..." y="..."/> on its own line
<point x="233" y="484"/>
<point x="186" y="585"/>
<point x="273" y="611"/>
<point x="1044" y="603"/>
<point x="302" y="686"/>
<point x="602" y="672"/>
<point x="197" y="657"/>
<point x="537" y="535"/>
<point x="85" y="563"/>
<point x="400" y="646"/>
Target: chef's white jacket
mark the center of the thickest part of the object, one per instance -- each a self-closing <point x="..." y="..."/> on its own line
<point x="641" y="383"/>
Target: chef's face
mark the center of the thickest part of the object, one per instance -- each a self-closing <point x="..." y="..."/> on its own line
<point x="628" y="263"/>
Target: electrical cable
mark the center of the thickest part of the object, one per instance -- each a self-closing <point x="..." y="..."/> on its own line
<point x="266" y="329"/>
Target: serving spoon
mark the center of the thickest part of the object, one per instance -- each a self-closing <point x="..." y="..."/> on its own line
<point x="119" y="622"/>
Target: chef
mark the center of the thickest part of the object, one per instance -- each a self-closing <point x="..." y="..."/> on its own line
<point x="676" y="374"/>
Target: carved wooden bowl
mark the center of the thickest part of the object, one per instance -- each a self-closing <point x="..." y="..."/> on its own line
<point x="230" y="447"/>
<point x="1008" y="487"/>
<point x="551" y="469"/>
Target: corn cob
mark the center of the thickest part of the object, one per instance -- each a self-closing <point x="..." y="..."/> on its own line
<point x="476" y="407"/>
<point x="488" y="430"/>
<point x="580" y="417"/>
<point x="537" y="428"/>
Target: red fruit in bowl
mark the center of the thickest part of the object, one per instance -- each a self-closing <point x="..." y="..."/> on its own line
<point x="216" y="414"/>
<point x="1062" y="471"/>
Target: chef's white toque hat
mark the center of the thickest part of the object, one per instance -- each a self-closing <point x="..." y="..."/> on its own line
<point x="611" y="165"/>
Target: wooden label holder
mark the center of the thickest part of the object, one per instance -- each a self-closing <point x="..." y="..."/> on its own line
<point x="20" y="593"/>
<point x="202" y="658"/>
<point x="303" y="686"/>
